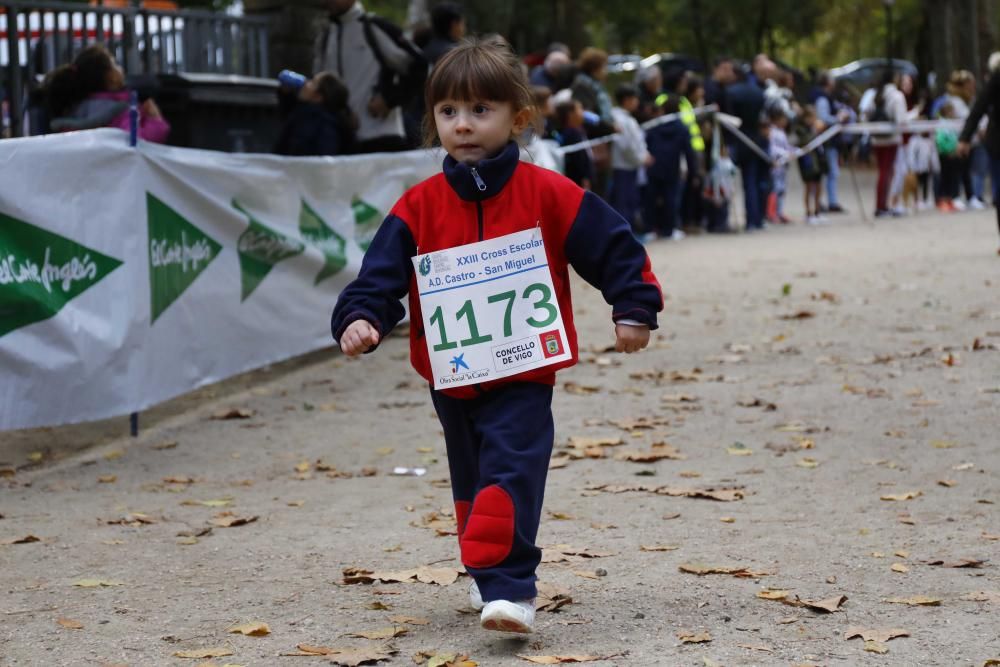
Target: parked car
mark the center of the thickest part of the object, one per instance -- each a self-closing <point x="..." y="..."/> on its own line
<point x="626" y="67"/>
<point x="862" y="74"/>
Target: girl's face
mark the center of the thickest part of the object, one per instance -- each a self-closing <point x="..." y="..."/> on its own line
<point x="115" y="78"/>
<point x="309" y="92"/>
<point x="473" y="130"/>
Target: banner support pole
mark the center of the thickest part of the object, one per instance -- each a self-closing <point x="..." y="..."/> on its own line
<point x="133" y="140"/>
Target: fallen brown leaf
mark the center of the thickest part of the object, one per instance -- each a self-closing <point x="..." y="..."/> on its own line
<point x="798" y="315"/>
<point x="204" y="653"/>
<point x="983" y="596"/>
<point x="234" y="413"/>
<point x="909" y="495"/>
<point x="563" y="659"/>
<point x="962" y="562"/>
<point x="916" y="601"/>
<point x="723" y="495"/>
<point x="70" y="623"/>
<point x="757" y="647"/>
<point x="551" y="597"/>
<point x="95" y="583"/>
<point x="580" y="389"/>
<point x="701" y="569"/>
<point x="27" y="539"/>
<point x="564" y="553"/>
<point x="348" y="657"/>
<point x="658" y="452"/>
<point x="252" y="629"/>
<point x="658" y="547"/>
<point x="410" y="620"/>
<point x="381" y="633"/>
<point x="442" y="576"/>
<point x="230" y="520"/>
<point x="875" y="634"/>
<point x="876" y="647"/>
<point x="169" y="444"/>
<point x="899" y="567"/>
<point x="689" y="637"/>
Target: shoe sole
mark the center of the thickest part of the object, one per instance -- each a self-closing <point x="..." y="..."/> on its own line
<point x="506" y="625"/>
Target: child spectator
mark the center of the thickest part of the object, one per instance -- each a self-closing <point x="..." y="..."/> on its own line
<point x="946" y="140"/>
<point x="578" y="166"/>
<point x="499" y="434"/>
<point x="543" y="103"/>
<point x="90" y="92"/>
<point x="667" y="143"/>
<point x="780" y="151"/>
<point x="812" y="165"/>
<point x="628" y="153"/>
<point x="322" y="122"/>
<point x="922" y="159"/>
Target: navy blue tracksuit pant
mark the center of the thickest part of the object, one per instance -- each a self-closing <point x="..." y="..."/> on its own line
<point x="499" y="446"/>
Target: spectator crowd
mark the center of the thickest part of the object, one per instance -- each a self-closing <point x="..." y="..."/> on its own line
<point x="665" y="163"/>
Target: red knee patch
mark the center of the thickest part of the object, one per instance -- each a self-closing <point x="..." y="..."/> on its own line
<point x="462" y="508"/>
<point x="489" y="531"/>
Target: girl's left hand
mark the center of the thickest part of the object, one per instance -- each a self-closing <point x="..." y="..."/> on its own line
<point x="630" y="338"/>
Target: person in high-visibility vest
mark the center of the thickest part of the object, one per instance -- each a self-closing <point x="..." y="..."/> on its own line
<point x="676" y="83"/>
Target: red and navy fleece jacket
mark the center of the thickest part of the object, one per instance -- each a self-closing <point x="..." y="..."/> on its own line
<point x="493" y="198"/>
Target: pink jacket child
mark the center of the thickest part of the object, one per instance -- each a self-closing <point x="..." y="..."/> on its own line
<point x="90" y="92"/>
<point x="110" y="109"/>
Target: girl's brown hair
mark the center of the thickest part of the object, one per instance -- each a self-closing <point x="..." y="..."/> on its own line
<point x="478" y="69"/>
<point x="69" y="85"/>
<point x="591" y="60"/>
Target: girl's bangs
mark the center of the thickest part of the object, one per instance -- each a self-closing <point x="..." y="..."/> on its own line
<point x="468" y="79"/>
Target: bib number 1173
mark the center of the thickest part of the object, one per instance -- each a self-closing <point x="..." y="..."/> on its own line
<point x="545" y="313"/>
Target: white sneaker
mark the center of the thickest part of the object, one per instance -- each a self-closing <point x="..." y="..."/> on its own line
<point x="958" y="204"/>
<point x="506" y="616"/>
<point x="976" y="204"/>
<point x="475" y="597"/>
<point x="924" y="205"/>
<point x="817" y="220"/>
<point x="677" y="235"/>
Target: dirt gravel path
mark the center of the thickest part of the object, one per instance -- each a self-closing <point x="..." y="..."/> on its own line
<point x="803" y="374"/>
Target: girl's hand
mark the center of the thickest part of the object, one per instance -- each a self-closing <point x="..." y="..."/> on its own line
<point x="150" y="109"/>
<point x="630" y="338"/>
<point x="359" y="337"/>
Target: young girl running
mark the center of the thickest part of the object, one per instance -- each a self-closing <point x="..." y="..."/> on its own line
<point x="499" y="433"/>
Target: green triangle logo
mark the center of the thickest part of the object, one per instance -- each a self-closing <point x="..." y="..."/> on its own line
<point x="330" y="243"/>
<point x="178" y="253"/>
<point x="367" y="219"/>
<point x="260" y="248"/>
<point x="40" y="272"/>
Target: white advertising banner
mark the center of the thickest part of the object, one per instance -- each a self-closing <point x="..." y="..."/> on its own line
<point x="132" y="275"/>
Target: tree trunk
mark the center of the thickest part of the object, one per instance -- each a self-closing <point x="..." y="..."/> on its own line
<point x="294" y="25"/>
<point x="699" y="32"/>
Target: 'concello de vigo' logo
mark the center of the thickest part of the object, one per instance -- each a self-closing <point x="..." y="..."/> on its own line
<point x="425" y="265"/>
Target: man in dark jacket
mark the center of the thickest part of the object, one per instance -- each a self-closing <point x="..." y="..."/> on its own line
<point x="448" y="24"/>
<point x="987" y="102"/>
<point x="667" y="142"/>
<point x="745" y="100"/>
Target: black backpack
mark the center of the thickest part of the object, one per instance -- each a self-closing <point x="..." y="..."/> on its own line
<point x="397" y="89"/>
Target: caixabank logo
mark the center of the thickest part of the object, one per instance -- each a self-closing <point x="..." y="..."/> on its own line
<point x="460" y="372"/>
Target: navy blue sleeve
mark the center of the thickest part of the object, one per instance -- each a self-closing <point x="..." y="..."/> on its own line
<point x="383" y="281"/>
<point x="601" y="247"/>
<point x="690" y="159"/>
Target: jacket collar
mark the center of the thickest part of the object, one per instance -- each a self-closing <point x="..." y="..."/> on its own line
<point x="493" y="173"/>
<point x="352" y="14"/>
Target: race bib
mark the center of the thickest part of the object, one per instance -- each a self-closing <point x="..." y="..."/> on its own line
<point x="490" y="310"/>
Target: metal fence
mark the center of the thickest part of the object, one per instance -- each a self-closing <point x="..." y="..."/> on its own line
<point x="36" y="37"/>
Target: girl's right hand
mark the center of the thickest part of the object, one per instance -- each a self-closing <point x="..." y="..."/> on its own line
<point x="359" y="337"/>
<point x="150" y="109"/>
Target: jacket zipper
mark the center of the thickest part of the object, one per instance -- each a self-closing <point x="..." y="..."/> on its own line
<point x="481" y="186"/>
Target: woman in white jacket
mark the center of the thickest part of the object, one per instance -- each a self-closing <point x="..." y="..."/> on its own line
<point x="888" y="106"/>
